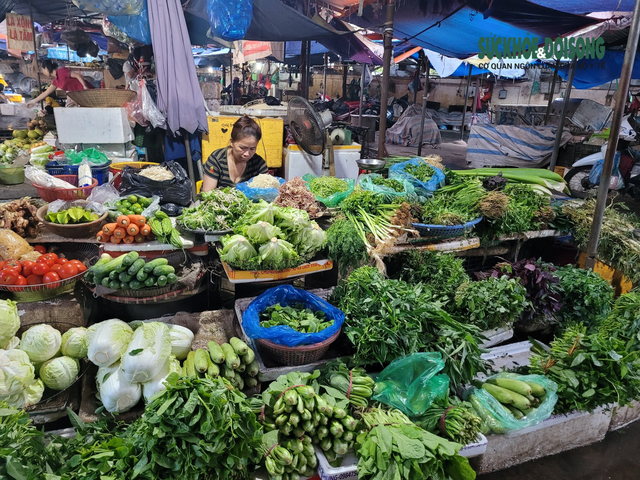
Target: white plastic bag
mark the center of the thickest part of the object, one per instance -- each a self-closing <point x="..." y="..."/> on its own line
<point x="103" y="194"/>
<point x="43" y="179"/>
<point x="149" y="108"/>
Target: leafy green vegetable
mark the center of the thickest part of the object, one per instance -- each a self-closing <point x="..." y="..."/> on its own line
<point x="296" y="316"/>
<point x="451" y="418"/>
<point x="309" y="240"/>
<point x="262" y="232"/>
<point x="395" y="448"/>
<point x="218" y="210"/>
<point x="277" y="255"/>
<point x="492" y="302"/>
<point x="586" y="295"/>
<point x="391" y="183"/>
<point x="326" y="186"/>
<point x="422" y="172"/>
<point x="238" y="252"/>
<point x="453" y="205"/>
<point x="9" y="321"/>
<point x="72" y="215"/>
<point x="346" y="246"/>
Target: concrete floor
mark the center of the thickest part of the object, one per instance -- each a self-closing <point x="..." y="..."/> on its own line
<point x="615" y="458"/>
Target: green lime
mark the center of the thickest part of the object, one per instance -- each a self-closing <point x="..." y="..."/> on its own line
<point x="135" y="205"/>
<point x="126" y="211"/>
<point x="132" y="199"/>
<point x="145" y="202"/>
<point x="126" y="204"/>
<point x="137" y="210"/>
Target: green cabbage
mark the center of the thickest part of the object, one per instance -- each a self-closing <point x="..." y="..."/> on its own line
<point x="29" y="396"/>
<point x="278" y="255"/>
<point x="156" y="384"/>
<point x="41" y="342"/>
<point x="115" y="393"/>
<point x="107" y="341"/>
<point x="9" y="321"/>
<point x="291" y="219"/>
<point x="14" y="342"/>
<point x="16" y="372"/>
<point x="259" y="212"/>
<point x="181" y="340"/>
<point x="147" y="353"/>
<point x="74" y="343"/>
<point x="60" y="372"/>
<point x="309" y="240"/>
<point x="238" y="252"/>
<point x="262" y="232"/>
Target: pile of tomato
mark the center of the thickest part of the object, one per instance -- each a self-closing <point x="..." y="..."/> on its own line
<point x="49" y="270"/>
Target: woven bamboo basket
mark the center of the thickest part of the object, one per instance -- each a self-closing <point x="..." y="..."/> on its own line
<point x="102" y="98"/>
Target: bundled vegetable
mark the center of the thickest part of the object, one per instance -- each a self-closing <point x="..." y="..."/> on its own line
<point x="451" y="418"/>
<point x="326" y="186"/>
<point x="391" y="444"/>
<point x="454" y="204"/>
<point x="162" y="228"/>
<point x="541" y="177"/>
<point x="354" y="383"/>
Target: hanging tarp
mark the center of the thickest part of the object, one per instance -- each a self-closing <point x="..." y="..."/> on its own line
<point x="587" y="6"/>
<point x="591" y="73"/>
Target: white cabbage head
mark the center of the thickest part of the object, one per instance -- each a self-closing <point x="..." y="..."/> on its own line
<point x="181" y="340"/>
<point x="16" y="372"/>
<point x="9" y="321"/>
<point x="107" y="341"/>
<point x="115" y="393"/>
<point x="60" y="372"/>
<point x="156" y="384"/>
<point x="74" y="342"/>
<point x="29" y="396"/>
<point x="11" y="344"/>
<point x="41" y="342"/>
<point x="149" y="350"/>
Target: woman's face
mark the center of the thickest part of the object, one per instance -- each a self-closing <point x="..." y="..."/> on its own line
<point x="244" y="149"/>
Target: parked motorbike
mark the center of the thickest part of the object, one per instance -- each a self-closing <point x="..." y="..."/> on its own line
<point x="580" y="179"/>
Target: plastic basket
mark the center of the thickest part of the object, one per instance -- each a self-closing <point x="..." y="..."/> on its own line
<point x="116" y="169"/>
<point x="300" y="355"/>
<point x="442" y="231"/>
<point x="102" y="97"/>
<point x="49" y="194"/>
<point x="99" y="172"/>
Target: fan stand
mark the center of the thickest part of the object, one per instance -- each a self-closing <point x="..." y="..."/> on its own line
<point x="331" y="155"/>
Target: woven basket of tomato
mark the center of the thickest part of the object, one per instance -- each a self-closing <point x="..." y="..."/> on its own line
<point x="47" y="277"/>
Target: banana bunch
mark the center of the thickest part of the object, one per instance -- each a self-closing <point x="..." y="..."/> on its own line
<point x="518" y="398"/>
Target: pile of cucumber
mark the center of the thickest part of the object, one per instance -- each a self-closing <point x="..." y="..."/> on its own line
<point x="234" y="361"/>
<point x="131" y="272"/>
<point x="518" y="398"/>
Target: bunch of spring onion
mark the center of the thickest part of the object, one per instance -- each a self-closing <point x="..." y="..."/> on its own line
<point x="542" y="180"/>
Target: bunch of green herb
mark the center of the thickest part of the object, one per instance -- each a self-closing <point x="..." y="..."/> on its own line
<point x="391" y="183"/>
<point x="422" y="172"/>
<point x="345" y="244"/>
<point x="387" y="319"/>
<point x="451" y="418"/>
<point x="443" y="273"/>
<point x="395" y="448"/>
<point x="22" y="446"/>
<point x="326" y="186"/>
<point x="619" y="243"/>
<point x="624" y="319"/>
<point x="492" y="302"/>
<point x="219" y="209"/>
<point x="590" y="369"/>
<point x="296" y="316"/>
<point x="453" y="205"/>
<point x="361" y="199"/>
<point x="586" y="295"/>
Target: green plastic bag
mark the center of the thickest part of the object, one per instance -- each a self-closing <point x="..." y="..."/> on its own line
<point x="502" y="420"/>
<point x="336" y="199"/>
<point x="91" y="154"/>
<point x="367" y="183"/>
<point x="411" y="383"/>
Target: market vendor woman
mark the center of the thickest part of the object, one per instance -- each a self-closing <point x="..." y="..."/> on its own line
<point x="238" y="162"/>
<point x="63" y="78"/>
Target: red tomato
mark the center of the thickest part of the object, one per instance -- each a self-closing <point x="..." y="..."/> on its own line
<point x="27" y="267"/>
<point x="40" y="268"/>
<point x="53" y="256"/>
<point x="1" y="265"/>
<point x="47" y="260"/>
<point x="61" y="261"/>
<point x="19" y="281"/>
<point x="55" y="268"/>
<point x="17" y="270"/>
<point x="40" y="249"/>
<point x="34" y="280"/>
<point x="79" y="265"/>
<point x="8" y="276"/>
<point x="68" y="271"/>
<point x="52" y="280"/>
<point x="12" y="263"/>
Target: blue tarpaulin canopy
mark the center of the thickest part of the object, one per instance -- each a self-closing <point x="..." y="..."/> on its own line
<point x="591" y="73"/>
<point x="587" y="6"/>
<point x="62" y="53"/>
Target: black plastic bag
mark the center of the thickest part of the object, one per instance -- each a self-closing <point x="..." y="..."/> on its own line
<point x="177" y="190"/>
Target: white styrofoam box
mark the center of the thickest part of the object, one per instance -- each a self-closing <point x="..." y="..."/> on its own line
<point x="556" y="434"/>
<point x="474" y="449"/>
<point x="92" y="125"/>
<point x="347" y="471"/>
<point x="507" y="356"/>
<point x="622" y="416"/>
<point x="496" y="336"/>
<point x="297" y="162"/>
<point x="8" y="108"/>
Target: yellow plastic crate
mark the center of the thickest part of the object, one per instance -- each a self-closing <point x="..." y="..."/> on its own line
<point x="269" y="148"/>
<point x="618" y="281"/>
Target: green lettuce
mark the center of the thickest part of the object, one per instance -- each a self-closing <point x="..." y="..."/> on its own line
<point x="291" y="219"/>
<point x="309" y="240"/>
<point x="277" y="255"/>
<point x="9" y="321"/>
<point x="238" y="252"/>
<point x="261" y="232"/>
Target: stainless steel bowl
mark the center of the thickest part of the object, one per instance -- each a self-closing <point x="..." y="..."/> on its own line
<point x="372" y="164"/>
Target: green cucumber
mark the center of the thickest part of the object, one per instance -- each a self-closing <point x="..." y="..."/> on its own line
<point x="141" y="276"/>
<point x="150" y="282"/>
<point x="124" y="277"/>
<point x="130" y="258"/>
<point x="163" y="270"/>
<point x="148" y="268"/>
<point x="162" y="281"/>
<point x="136" y="267"/>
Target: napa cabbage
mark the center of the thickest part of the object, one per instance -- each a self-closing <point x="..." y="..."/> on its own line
<point x="107" y="341"/>
<point x="148" y="351"/>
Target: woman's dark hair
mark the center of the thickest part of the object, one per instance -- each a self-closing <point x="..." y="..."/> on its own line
<point x="245" y="127"/>
<point x="50" y="65"/>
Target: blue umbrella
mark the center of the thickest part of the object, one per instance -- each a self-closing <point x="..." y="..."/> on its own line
<point x="179" y="94"/>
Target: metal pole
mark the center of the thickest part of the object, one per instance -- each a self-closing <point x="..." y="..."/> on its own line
<point x="464" y="109"/>
<point x="361" y="96"/>
<point x="35" y="49"/>
<point x="553" y="89"/>
<point x="563" y="116"/>
<point x="386" y="67"/>
<point x="475" y="101"/>
<point x="304" y="66"/>
<point x="425" y="95"/>
<point x="324" y="79"/>
<point x="616" y="120"/>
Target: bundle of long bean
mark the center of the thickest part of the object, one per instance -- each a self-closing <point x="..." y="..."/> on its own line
<point x="451" y="418"/>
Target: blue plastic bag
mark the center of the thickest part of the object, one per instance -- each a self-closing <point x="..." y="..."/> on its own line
<point x="230" y="19"/>
<point x="598" y="167"/>
<point x="135" y="26"/>
<point x="398" y="172"/>
<point x="286" y="295"/>
<point x="257" y="194"/>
